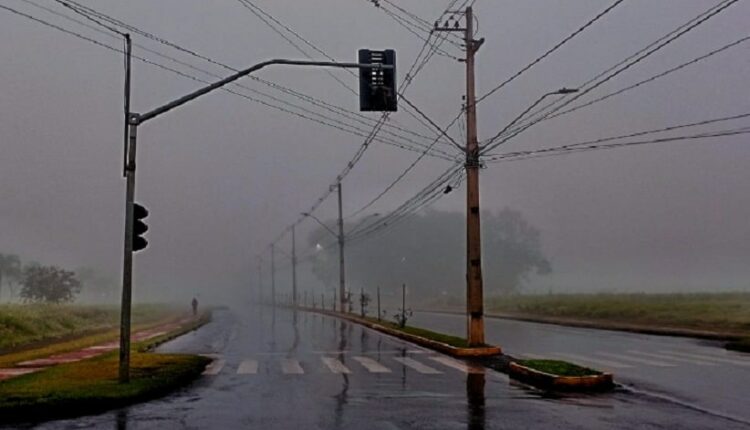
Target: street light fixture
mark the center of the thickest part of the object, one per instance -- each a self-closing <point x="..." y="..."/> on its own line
<point x="562" y="91"/>
<point x="305" y="214"/>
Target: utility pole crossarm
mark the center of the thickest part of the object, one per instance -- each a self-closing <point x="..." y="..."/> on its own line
<point x="242" y="73"/>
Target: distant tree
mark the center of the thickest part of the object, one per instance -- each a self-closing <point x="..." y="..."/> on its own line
<point x="428" y="252"/>
<point x="10" y="271"/>
<point x="49" y="284"/>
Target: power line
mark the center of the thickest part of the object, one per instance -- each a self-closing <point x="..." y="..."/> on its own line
<point x="561" y="150"/>
<point x="623" y="66"/>
<point x="636" y="134"/>
<point x="308" y="115"/>
<point x="550" y="51"/>
<point x="297" y="94"/>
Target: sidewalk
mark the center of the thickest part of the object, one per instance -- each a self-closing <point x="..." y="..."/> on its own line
<point x="36" y="365"/>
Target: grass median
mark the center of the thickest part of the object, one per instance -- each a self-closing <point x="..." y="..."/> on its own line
<point x="558" y="367"/>
<point x="91" y="386"/>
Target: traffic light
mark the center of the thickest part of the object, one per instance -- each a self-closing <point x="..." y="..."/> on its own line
<point x="377" y="87"/>
<point x="139" y="227"/>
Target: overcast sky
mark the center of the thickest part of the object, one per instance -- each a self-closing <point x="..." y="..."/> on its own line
<point x="224" y="175"/>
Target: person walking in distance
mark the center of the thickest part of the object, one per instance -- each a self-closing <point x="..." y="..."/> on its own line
<point x="195" y="306"/>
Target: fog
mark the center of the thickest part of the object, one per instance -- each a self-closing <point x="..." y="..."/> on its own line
<point x="224" y="176"/>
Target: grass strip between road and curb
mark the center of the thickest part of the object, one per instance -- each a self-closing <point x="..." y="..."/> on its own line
<point x="91" y="386"/>
<point x="558" y="367"/>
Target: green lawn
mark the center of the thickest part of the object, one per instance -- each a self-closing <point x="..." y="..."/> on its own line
<point x="558" y="367"/>
<point x="455" y="341"/>
<point x="23" y="324"/>
<point x="91" y="385"/>
<point x="723" y="312"/>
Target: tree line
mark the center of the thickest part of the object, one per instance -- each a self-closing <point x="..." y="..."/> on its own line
<point x="33" y="282"/>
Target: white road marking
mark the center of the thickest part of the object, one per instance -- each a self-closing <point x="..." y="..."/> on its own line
<point x="596" y="361"/>
<point x="248" y="367"/>
<point x="708" y="358"/>
<point x="638" y="360"/>
<point x="419" y="367"/>
<point x="291" y="367"/>
<point x="668" y="357"/>
<point x="371" y="365"/>
<point x="335" y="365"/>
<point x="214" y="368"/>
<point x="458" y="365"/>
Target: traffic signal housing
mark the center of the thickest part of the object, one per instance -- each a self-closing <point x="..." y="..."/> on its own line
<point x="139" y="227"/>
<point x="377" y="87"/>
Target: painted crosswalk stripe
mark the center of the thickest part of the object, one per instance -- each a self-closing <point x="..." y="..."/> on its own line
<point x="638" y="360"/>
<point x="596" y="361"/>
<point x="248" y="367"/>
<point x="214" y="368"/>
<point x="291" y="367"/>
<point x="419" y="367"/>
<point x="335" y="365"/>
<point x="672" y="358"/>
<point x="371" y="365"/>
<point x="708" y="358"/>
<point x="458" y="365"/>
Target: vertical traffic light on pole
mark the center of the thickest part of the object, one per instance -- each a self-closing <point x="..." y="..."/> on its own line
<point x="139" y="227"/>
<point x="377" y="86"/>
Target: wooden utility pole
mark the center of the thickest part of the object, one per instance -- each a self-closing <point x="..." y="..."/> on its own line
<point x="294" y="269"/>
<point x="342" y="277"/>
<point x="474" y="294"/>
<point x="273" y="275"/>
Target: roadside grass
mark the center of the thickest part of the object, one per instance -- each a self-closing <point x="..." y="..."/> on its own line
<point x="558" y="367"/>
<point x="742" y="345"/>
<point x="724" y="312"/>
<point x="453" y="341"/>
<point x="144" y="316"/>
<point x="24" y="324"/>
<point x="91" y="386"/>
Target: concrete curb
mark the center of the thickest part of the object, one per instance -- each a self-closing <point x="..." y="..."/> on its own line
<point x="548" y="381"/>
<point x="488" y="351"/>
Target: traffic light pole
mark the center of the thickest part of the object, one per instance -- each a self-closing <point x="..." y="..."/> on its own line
<point x="133" y="121"/>
<point x="127" y="272"/>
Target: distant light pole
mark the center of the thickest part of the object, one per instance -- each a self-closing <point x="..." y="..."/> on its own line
<point x="341" y="241"/>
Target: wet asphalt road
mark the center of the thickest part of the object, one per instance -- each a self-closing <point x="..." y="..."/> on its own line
<point x="699" y="373"/>
<point x="275" y="370"/>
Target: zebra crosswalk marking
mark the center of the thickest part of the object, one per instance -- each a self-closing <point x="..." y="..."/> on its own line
<point x="335" y="365"/>
<point x="214" y="368"/>
<point x="455" y="364"/>
<point x="416" y="365"/>
<point x="596" y="361"/>
<point x="248" y="367"/>
<point x="291" y="367"/>
<point x="672" y="358"/>
<point x="371" y="365"/>
<point x="638" y="360"/>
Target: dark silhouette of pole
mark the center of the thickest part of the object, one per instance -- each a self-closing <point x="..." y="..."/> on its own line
<point x="342" y="275"/>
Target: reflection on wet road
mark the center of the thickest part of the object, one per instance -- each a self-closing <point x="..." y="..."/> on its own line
<point x="276" y="369"/>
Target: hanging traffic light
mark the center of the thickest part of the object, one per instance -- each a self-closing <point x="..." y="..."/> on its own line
<point x="139" y="227"/>
<point x="377" y="87"/>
